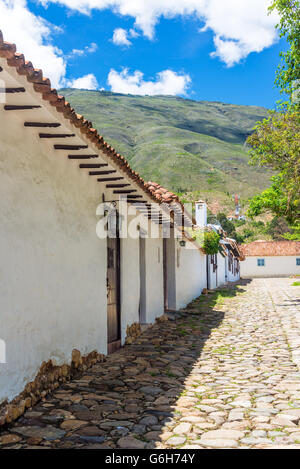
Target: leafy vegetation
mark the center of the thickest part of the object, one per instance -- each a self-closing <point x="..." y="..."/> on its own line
<point x="289" y="27"/>
<point x="211" y="243"/>
<point x="227" y="225"/>
<point x="275" y="143"/>
<point x="208" y="240"/>
<point x="294" y="234"/>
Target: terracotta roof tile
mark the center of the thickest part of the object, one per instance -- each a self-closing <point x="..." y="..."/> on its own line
<point x="271" y="248"/>
<point x="160" y="193"/>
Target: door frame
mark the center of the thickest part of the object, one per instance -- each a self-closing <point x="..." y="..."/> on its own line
<point x="116" y="345"/>
<point x="169" y="272"/>
<point x="143" y="289"/>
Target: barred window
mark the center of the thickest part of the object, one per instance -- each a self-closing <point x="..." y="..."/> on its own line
<point x="260" y="262"/>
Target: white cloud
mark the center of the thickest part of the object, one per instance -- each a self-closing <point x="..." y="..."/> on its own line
<point x="32" y="36"/>
<point x="167" y="83"/>
<point x="239" y="26"/>
<point x="87" y="50"/>
<point x="120" y="37"/>
<point x="87" y="82"/>
<point x="133" y="33"/>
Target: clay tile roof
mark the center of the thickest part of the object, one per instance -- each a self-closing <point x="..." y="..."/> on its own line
<point x="161" y="194"/>
<point x="43" y="86"/>
<point x="271" y="248"/>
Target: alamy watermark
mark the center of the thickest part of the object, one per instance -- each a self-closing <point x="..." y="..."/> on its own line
<point x="139" y="219"/>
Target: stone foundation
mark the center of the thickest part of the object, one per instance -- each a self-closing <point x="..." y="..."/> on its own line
<point x="133" y="332"/>
<point x="49" y="378"/>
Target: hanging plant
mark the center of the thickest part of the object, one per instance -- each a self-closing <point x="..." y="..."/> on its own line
<point x="208" y="240"/>
<point x="211" y="242"/>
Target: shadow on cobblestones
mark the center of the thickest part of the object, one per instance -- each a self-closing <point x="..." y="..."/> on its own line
<point x="127" y="401"/>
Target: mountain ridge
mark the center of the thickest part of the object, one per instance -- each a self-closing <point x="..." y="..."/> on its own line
<point x="184" y="145"/>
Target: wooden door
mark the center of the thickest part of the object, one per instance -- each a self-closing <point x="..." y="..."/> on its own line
<point x="113" y="295"/>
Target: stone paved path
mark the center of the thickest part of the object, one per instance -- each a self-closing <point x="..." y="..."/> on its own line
<point x="224" y="374"/>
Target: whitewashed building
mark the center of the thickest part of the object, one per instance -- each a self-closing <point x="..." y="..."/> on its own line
<point x="62" y="286"/>
<point x="271" y="259"/>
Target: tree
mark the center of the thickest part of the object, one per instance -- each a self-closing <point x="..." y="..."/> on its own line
<point x="288" y="72"/>
<point x="226" y="224"/>
<point x="295" y="235"/>
<point x="275" y="144"/>
<point x="278" y="228"/>
<point x="276" y="201"/>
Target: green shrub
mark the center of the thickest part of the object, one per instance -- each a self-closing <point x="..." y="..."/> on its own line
<point x="211" y="242"/>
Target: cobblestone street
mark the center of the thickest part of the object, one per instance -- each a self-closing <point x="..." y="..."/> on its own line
<point x="223" y="373"/>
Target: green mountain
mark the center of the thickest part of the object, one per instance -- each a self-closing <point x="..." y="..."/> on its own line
<point x="182" y="144"/>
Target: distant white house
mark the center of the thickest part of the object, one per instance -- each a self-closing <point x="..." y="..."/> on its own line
<point x="224" y="267"/>
<point x="271" y="259"/>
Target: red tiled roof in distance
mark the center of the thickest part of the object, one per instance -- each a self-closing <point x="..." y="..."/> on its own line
<point x="271" y="248"/>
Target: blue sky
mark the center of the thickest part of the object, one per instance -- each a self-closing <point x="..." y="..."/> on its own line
<point x="171" y="56"/>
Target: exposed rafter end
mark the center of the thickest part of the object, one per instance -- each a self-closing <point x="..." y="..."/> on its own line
<point x="81" y="157"/>
<point x="56" y="135"/>
<point x="13" y="107"/>
<point x="92" y="165"/>
<point x="100" y="173"/>
<point x="70" y="147"/>
<point x="12" y="90"/>
<point x="42" y="124"/>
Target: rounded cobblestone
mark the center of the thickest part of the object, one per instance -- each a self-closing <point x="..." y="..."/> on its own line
<point x="224" y="373"/>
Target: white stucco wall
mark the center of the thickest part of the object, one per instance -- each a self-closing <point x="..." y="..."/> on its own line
<point x="130" y="283"/>
<point x="232" y="277"/>
<point x="275" y="266"/>
<point x="190" y="274"/>
<point x="130" y="278"/>
<point x="154" y="279"/>
<point x="221" y="270"/>
<point x="53" y="266"/>
<point x="212" y="276"/>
